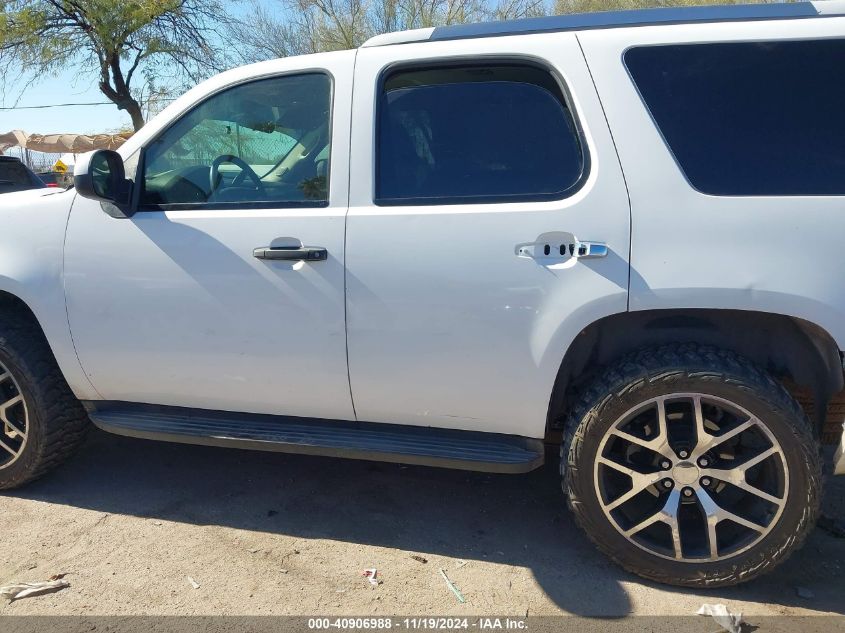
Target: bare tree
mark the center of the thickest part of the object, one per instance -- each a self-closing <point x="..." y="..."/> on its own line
<point x="311" y="26"/>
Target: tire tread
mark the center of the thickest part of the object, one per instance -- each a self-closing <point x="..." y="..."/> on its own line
<point x="63" y="421"/>
<point x="666" y="364"/>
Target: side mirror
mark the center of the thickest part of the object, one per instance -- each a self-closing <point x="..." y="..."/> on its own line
<point x="99" y="175"/>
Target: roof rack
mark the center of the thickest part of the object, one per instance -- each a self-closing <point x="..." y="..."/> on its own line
<point x="616" y="19"/>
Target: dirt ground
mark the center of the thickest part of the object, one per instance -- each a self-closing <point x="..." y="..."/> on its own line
<point x="263" y="533"/>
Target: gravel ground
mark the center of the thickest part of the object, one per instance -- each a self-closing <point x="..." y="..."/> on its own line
<point x="263" y="533"/>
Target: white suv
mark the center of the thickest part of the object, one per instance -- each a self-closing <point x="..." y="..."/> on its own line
<point x="619" y="233"/>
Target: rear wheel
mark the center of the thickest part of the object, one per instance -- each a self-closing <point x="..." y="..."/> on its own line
<point x="41" y="422"/>
<point x="688" y="465"/>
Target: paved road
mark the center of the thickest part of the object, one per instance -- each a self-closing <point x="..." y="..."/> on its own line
<point x="263" y="533"/>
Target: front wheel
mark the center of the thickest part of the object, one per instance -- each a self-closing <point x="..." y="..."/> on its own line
<point x="690" y="466"/>
<point x="41" y="422"/>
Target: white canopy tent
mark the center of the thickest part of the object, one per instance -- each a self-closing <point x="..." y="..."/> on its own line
<point x="61" y="143"/>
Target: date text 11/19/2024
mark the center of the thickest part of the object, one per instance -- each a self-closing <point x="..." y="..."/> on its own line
<point x="425" y="623"/>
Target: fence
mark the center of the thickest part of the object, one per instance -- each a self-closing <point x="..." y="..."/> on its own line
<point x="36" y="161"/>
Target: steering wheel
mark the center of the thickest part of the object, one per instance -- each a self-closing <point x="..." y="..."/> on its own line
<point x="246" y="170"/>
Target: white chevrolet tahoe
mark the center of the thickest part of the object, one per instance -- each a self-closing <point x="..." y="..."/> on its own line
<point x="619" y="233"/>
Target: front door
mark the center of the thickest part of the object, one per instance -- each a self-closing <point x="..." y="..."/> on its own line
<point x="494" y="228"/>
<point x="225" y="290"/>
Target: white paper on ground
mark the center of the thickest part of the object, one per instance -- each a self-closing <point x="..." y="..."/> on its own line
<point x="19" y="591"/>
<point x="731" y="622"/>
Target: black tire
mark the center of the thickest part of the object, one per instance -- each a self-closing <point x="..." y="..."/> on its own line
<point x="57" y="422"/>
<point x="692" y="368"/>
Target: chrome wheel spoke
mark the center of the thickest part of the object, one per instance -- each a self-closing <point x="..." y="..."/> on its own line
<point x="12" y="431"/>
<point x="14" y="419"/>
<point x="668" y="514"/>
<point x="716" y="513"/>
<point x="9" y="427"/>
<point x="745" y="486"/>
<point x="8" y="449"/>
<point x="736" y="476"/>
<point x="769" y="452"/>
<point x="706" y="441"/>
<point x="660" y="443"/>
<point x="639" y="482"/>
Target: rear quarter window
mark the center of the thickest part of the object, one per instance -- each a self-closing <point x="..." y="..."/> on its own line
<point x="14" y="173"/>
<point x="749" y="118"/>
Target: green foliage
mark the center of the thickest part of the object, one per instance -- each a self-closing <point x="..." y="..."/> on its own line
<point x="112" y="40"/>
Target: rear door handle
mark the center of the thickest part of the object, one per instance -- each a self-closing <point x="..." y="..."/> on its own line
<point x="589" y="250"/>
<point x="560" y="246"/>
<point x="292" y="253"/>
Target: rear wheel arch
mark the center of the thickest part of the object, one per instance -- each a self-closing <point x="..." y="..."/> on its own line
<point x="800" y="354"/>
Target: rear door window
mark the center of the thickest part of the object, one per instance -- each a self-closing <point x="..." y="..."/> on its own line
<point x="479" y="133"/>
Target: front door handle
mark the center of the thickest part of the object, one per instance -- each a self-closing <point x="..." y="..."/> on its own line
<point x="292" y="253"/>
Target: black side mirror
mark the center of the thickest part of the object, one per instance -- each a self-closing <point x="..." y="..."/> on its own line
<point x="99" y="175"/>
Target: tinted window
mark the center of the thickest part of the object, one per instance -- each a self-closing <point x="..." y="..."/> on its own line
<point x="14" y="172"/>
<point x="15" y="177"/>
<point x="750" y="118"/>
<point x="475" y="134"/>
<point x="265" y="143"/>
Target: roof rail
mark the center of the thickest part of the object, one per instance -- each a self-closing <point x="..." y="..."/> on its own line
<point x="617" y="19"/>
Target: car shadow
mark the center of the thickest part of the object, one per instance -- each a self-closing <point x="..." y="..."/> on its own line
<point x="513" y="520"/>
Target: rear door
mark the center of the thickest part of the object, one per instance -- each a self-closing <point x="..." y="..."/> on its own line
<point x="482" y="171"/>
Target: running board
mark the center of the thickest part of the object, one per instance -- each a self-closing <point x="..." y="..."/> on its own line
<point x="427" y="446"/>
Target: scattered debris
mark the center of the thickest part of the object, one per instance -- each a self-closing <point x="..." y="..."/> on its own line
<point x="22" y="590"/>
<point x="731" y="622"/>
<point x="419" y="559"/>
<point x="372" y="576"/>
<point x="803" y="592"/>
<point x="253" y="550"/>
<point x="460" y="563"/>
<point x="283" y="571"/>
<point x="57" y="576"/>
<point x="194" y="583"/>
<point x="157" y="523"/>
<point x="834" y="527"/>
<point x="452" y="586"/>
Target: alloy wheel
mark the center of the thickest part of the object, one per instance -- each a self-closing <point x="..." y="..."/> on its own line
<point x="691" y="477"/>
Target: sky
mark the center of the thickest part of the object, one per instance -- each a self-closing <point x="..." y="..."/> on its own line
<point x="68" y="87"/>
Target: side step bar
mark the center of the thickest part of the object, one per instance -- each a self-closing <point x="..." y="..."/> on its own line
<point x="446" y="448"/>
